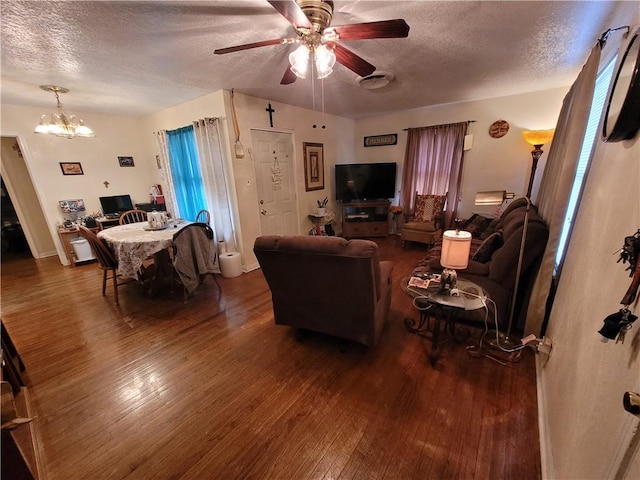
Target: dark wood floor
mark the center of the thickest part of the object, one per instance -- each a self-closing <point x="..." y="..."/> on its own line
<point x="214" y="390"/>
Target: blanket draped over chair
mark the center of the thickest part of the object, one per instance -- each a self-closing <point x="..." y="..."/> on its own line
<point x="194" y="254"/>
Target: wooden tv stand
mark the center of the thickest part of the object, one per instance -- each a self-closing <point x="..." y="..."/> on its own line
<point x="365" y="219"/>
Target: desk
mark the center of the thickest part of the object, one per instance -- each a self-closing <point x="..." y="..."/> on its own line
<point x="443" y="307"/>
<point x="104" y="222"/>
<point x="66" y="236"/>
<point x="132" y="244"/>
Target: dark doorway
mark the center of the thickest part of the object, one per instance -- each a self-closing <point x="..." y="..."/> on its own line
<point x="13" y="242"/>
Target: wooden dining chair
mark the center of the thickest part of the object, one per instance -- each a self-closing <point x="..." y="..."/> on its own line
<point x="203" y="216"/>
<point x="106" y="261"/>
<point x="133" y="216"/>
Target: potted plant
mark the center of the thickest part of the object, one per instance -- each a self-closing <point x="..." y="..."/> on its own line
<point x="322" y="204"/>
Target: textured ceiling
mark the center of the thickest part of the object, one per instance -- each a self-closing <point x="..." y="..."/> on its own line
<point x="138" y="57"/>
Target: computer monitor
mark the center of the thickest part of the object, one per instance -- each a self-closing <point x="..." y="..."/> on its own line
<point x="116" y="204"/>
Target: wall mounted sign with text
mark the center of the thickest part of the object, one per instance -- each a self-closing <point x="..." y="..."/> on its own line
<point x="380" y="140"/>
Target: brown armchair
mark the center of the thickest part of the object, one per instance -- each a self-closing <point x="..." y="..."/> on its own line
<point x="327" y="284"/>
<point x="425" y="225"/>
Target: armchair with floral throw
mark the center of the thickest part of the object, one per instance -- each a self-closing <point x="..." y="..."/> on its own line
<point x="425" y="225"/>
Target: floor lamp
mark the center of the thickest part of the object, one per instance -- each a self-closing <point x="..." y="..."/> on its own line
<point x="536" y="138"/>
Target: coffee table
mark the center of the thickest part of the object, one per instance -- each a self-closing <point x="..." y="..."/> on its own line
<point x="443" y="309"/>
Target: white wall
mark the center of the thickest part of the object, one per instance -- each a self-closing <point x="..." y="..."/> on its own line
<point x="492" y="164"/>
<point x="115" y="136"/>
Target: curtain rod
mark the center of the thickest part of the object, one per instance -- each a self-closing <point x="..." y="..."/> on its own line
<point x="441" y="125"/>
<point x="605" y="35"/>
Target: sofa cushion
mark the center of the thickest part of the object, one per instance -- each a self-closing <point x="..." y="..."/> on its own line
<point x="488" y="247"/>
<point x="428" y="207"/>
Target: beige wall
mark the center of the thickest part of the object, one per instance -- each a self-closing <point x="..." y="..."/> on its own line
<point x="491" y="164"/>
<point x="116" y="136"/>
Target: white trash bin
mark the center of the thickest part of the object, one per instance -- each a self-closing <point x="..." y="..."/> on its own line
<point x="82" y="250"/>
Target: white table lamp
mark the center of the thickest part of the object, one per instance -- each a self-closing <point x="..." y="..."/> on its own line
<point x="456" y="245"/>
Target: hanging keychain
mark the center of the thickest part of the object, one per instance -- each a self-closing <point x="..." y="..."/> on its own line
<point x="618" y="324"/>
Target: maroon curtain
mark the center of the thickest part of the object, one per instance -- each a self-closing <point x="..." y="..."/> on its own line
<point x="433" y="165"/>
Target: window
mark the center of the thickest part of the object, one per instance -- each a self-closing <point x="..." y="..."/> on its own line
<point x="597" y="105"/>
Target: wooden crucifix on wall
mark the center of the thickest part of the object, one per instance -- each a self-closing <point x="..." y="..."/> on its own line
<point x="271" y="111"/>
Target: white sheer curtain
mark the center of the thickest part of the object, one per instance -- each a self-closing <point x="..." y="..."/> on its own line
<point x="165" y="171"/>
<point x="216" y="179"/>
<point x="557" y="179"/>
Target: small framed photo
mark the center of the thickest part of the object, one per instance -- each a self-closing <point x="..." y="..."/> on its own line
<point x="313" y="166"/>
<point x="126" y="161"/>
<point x="71" y="168"/>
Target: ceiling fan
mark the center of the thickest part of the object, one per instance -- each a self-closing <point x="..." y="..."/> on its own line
<point x="318" y="40"/>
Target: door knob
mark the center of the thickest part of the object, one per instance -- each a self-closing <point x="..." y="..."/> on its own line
<point x="631" y="403"/>
<point x="263" y="211"/>
<point x="261" y="202"/>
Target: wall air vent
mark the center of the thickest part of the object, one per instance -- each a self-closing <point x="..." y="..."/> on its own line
<point x="376" y="80"/>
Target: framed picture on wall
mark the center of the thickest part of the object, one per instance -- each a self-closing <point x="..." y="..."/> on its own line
<point x="126" y="161"/>
<point x="71" y="168"/>
<point x="313" y="166"/>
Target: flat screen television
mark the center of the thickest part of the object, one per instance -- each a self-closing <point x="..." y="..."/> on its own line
<point x="365" y="181"/>
<point x="116" y="204"/>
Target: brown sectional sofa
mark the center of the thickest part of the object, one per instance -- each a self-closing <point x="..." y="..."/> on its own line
<point x="327" y="284"/>
<point x="496" y="272"/>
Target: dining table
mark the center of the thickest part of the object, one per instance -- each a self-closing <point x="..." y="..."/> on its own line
<point x="134" y="243"/>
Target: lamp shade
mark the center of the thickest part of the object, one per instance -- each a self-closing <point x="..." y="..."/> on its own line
<point x="538" y="137"/>
<point x="456" y="245"/>
<point x="493" y="197"/>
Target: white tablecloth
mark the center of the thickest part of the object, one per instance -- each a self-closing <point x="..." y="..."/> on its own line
<point x="132" y="244"/>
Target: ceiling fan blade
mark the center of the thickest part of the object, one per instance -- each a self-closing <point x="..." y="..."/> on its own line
<point x="352" y="61"/>
<point x="290" y="10"/>
<point x="247" y="46"/>
<point x="288" y="78"/>
<point x="384" y="29"/>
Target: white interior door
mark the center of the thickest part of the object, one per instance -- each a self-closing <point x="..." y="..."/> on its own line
<point x="275" y="182"/>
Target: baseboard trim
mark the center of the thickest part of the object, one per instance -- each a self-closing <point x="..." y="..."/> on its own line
<point x="546" y="455"/>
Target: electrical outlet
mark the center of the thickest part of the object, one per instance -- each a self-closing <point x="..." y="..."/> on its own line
<point x="545" y="346"/>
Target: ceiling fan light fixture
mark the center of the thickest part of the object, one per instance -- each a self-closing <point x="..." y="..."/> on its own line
<point x="299" y="60"/>
<point x="325" y="59"/>
<point x="60" y="124"/>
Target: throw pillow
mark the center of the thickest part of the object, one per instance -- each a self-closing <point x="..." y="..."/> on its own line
<point x="428" y="207"/>
<point x="488" y="247"/>
<point x="476" y="225"/>
<point x="424" y="208"/>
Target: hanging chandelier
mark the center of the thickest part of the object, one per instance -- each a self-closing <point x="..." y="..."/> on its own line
<point x="60" y="124"/>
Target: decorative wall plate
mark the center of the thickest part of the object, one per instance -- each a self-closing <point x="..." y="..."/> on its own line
<point x="498" y="129"/>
